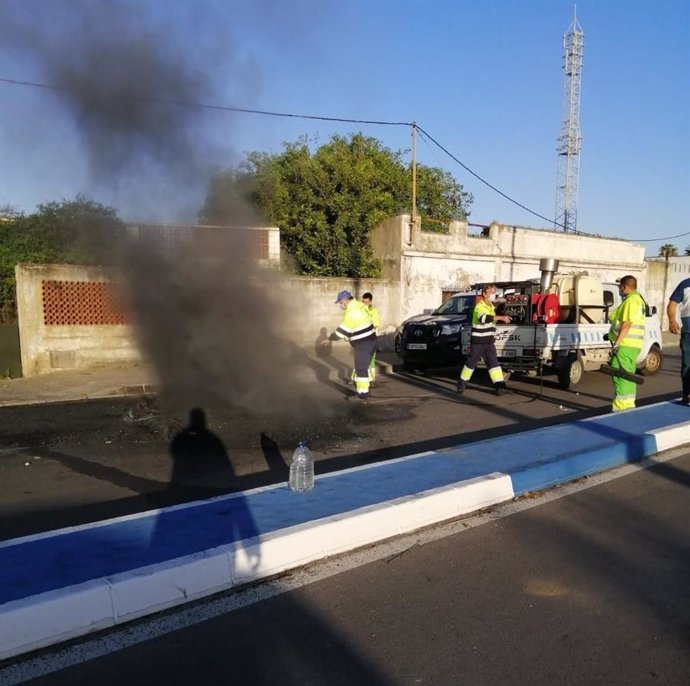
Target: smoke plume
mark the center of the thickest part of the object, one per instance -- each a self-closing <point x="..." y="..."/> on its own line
<point x="128" y="73"/>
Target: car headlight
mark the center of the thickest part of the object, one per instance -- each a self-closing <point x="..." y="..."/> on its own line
<point x="449" y="329"/>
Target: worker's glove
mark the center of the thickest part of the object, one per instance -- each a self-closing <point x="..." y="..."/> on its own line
<point x="333" y="337"/>
<point x="605" y="337"/>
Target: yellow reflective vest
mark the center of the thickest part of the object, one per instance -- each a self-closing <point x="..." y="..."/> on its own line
<point x="356" y="323"/>
<point x="374" y="316"/>
<point x="632" y="309"/>
<point x="483" y="326"/>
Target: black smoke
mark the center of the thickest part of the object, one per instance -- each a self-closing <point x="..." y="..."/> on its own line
<point x="131" y="77"/>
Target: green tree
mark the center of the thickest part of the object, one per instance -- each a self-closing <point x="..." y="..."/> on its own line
<point x="668" y="250"/>
<point x="71" y="232"/>
<point x="687" y="250"/>
<point x="8" y="212"/>
<point x="440" y="198"/>
<point x="326" y="202"/>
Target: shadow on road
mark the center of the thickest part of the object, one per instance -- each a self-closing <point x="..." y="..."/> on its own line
<point x="277" y="464"/>
<point x="203" y="468"/>
<point x="200" y="460"/>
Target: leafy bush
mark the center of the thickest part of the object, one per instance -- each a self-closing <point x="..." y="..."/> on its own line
<point x="71" y="232"/>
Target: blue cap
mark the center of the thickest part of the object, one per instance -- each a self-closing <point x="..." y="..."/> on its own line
<point x="343" y="295"/>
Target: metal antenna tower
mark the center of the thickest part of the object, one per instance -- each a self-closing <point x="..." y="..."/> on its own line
<point x="569" y="138"/>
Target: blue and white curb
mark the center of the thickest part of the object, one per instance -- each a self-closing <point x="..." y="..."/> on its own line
<point x="68" y="583"/>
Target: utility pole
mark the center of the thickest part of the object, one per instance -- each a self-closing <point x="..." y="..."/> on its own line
<point x="413" y="219"/>
<point x="569" y="138"/>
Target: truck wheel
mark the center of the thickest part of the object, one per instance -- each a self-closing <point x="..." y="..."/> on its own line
<point x="653" y="362"/>
<point x="571" y="374"/>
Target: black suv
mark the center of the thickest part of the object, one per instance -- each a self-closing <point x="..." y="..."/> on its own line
<point x="433" y="339"/>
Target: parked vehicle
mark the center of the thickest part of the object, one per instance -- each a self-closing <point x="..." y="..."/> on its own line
<point x="559" y="326"/>
<point x="432" y="339"/>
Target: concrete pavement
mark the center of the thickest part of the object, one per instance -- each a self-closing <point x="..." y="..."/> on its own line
<point x="68" y="385"/>
<point x="141" y="379"/>
<point x="145" y="563"/>
<point x="116" y="381"/>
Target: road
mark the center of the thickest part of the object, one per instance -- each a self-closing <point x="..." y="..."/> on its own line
<point x="71" y="463"/>
<point x="574" y="587"/>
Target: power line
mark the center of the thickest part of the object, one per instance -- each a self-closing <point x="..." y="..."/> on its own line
<point x="666" y="238"/>
<point x="268" y="113"/>
<point x="223" y="108"/>
<point x="484" y="181"/>
<point x="182" y="103"/>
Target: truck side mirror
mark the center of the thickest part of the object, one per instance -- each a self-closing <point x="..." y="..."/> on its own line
<point x="608" y="299"/>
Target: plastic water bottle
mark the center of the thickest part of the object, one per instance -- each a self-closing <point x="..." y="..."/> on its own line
<point x="301" y="469"/>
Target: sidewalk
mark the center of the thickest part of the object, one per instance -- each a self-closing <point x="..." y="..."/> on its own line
<point x="81" y="384"/>
<point x="118" y="381"/>
<point x="141" y="379"/>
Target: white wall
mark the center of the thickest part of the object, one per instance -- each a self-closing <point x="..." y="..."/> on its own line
<point x="46" y="347"/>
<point x="428" y="263"/>
<point x="310" y="305"/>
<point x="313" y="306"/>
<point x="417" y="268"/>
<point x="663" y="275"/>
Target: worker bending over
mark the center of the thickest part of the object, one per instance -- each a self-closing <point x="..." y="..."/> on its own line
<point x="358" y="329"/>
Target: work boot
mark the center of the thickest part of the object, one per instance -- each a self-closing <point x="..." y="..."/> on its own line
<point x="460" y="387"/>
<point x="685" y="400"/>
<point x="500" y="389"/>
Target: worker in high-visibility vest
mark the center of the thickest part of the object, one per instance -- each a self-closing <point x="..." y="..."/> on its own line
<point x="357" y="328"/>
<point x="482" y="344"/>
<point x="368" y="301"/>
<point x="627" y="337"/>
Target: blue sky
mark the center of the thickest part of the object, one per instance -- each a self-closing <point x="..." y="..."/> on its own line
<point x="484" y="78"/>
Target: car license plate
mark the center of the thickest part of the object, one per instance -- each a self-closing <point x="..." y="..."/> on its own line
<point x="416" y="346"/>
<point x="507" y="353"/>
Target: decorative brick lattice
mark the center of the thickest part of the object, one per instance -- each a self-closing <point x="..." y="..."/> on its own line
<point x="81" y="303"/>
<point x="262" y="247"/>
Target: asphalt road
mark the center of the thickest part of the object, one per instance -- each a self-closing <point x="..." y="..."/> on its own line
<point x="69" y="463"/>
<point x="589" y="588"/>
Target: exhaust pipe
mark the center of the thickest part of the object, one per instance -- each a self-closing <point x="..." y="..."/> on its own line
<point x="548" y="266"/>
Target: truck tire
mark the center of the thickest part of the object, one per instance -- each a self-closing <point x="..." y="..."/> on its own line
<point x="653" y="362"/>
<point x="397" y="343"/>
<point x="571" y="374"/>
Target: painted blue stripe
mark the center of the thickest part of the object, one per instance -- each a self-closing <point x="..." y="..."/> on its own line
<point x="534" y="459"/>
<point x="74" y="557"/>
<point x="536" y="477"/>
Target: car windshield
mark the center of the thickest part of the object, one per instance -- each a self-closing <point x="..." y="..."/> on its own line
<point x="460" y="304"/>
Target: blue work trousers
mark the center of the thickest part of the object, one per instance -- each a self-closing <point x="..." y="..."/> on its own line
<point x="685" y="362"/>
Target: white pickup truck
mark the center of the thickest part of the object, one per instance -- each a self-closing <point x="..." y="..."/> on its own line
<point x="533" y="344"/>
